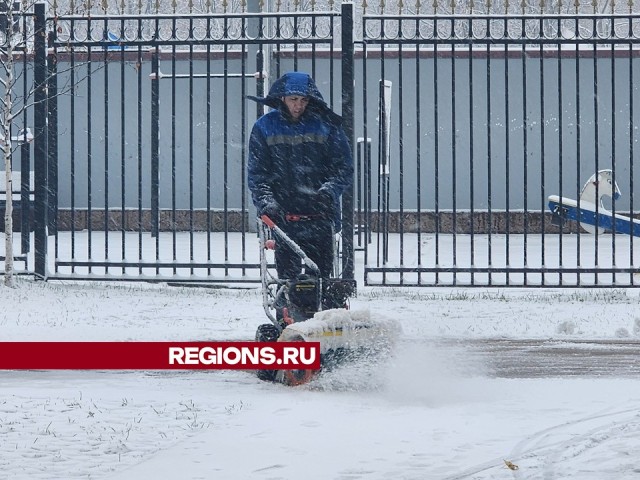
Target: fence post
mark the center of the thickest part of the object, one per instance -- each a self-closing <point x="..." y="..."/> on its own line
<point x="25" y="193"/>
<point x="260" y="81"/>
<point x="255" y="29"/>
<point x="52" y="136"/>
<point x="26" y="210"/>
<point x="40" y="142"/>
<point x="155" y="153"/>
<point x="348" y="122"/>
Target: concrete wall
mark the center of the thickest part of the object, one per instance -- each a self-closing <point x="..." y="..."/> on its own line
<point x="502" y="131"/>
<point x="509" y="129"/>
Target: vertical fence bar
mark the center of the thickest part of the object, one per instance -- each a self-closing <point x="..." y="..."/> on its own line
<point x="174" y="148"/>
<point x="275" y="60"/>
<point x="313" y="55"/>
<point x="454" y="161"/>
<point x="368" y="191"/>
<point x="367" y="163"/>
<point x="331" y="64"/>
<point x="596" y="146"/>
<point x="89" y="139"/>
<point x="25" y="160"/>
<point x="52" y="142"/>
<point x="155" y="154"/>
<point x="106" y="153"/>
<point x="613" y="155"/>
<point x="243" y="156"/>
<point x="25" y="168"/>
<point x="418" y="117"/>
<point x="507" y="151"/>
<point x="525" y="156"/>
<point x="400" y="151"/>
<point x="40" y="141"/>
<point x="362" y="184"/>
<point x="208" y="151"/>
<point x="225" y="151"/>
<point x="72" y="154"/>
<point x="436" y="150"/>
<point x="260" y="81"/>
<point x="489" y="157"/>
<point x="578" y="153"/>
<point x="542" y="151"/>
<point x="471" y="155"/>
<point x="560" y="151"/>
<point x="155" y="147"/>
<point x="382" y="174"/>
<point x="25" y="189"/>
<point x="631" y="144"/>
<point x="123" y="155"/>
<point x="296" y="33"/>
<point x="348" y="122"/>
<point x="191" y="155"/>
<point x="139" y="159"/>
<point x="358" y="184"/>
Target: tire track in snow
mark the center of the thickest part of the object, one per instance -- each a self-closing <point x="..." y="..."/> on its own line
<point x="536" y="444"/>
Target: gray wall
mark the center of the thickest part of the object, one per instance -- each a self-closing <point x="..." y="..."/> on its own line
<point x="590" y="105"/>
<point x="514" y="131"/>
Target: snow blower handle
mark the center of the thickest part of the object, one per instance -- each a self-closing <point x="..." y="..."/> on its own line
<point x="293" y="245"/>
<point x="267" y="221"/>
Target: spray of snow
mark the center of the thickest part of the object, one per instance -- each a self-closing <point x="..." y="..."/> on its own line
<point x="410" y="373"/>
<point x="430" y="375"/>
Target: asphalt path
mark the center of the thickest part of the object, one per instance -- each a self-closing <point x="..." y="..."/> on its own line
<point x="536" y="358"/>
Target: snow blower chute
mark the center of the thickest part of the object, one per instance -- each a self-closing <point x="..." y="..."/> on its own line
<point x="308" y="308"/>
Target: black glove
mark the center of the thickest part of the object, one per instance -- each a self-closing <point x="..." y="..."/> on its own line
<point x="274" y="212"/>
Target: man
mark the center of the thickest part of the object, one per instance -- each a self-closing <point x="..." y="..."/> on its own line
<point x="300" y="163"/>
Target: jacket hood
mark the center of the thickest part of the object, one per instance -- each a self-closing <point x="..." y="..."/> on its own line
<point x="296" y="83"/>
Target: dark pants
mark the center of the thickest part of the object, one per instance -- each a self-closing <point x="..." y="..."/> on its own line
<point x="316" y="238"/>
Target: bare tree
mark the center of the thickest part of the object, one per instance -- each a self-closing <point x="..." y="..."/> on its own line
<point x="7" y="117"/>
<point x="17" y="38"/>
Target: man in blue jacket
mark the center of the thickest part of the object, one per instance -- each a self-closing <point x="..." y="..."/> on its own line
<point x="300" y="163"/>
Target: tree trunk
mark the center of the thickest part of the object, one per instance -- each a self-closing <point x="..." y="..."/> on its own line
<point x="6" y="121"/>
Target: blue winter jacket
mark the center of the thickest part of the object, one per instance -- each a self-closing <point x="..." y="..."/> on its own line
<point x="291" y="161"/>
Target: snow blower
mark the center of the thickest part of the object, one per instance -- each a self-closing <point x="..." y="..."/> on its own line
<point x="308" y="308"/>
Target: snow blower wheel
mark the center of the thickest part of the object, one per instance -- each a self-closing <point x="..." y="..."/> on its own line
<point x="267" y="333"/>
<point x="293" y="378"/>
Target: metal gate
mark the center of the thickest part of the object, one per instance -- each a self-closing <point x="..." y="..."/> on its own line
<point x="471" y="124"/>
<point x="148" y="129"/>
<point x="467" y="126"/>
<point x="23" y="123"/>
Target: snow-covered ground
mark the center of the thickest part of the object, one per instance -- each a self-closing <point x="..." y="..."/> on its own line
<point x="436" y="410"/>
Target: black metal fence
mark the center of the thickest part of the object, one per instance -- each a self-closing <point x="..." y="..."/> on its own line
<point x="147" y="162"/>
<point x="17" y="106"/>
<point x="481" y="120"/>
<point x="463" y="127"/>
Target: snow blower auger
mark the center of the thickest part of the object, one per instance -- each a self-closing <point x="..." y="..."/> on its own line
<point x="308" y="308"/>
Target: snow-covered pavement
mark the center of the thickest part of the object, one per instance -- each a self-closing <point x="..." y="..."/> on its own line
<point x="446" y="406"/>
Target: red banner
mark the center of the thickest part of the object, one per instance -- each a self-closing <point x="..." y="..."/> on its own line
<point x="159" y="355"/>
